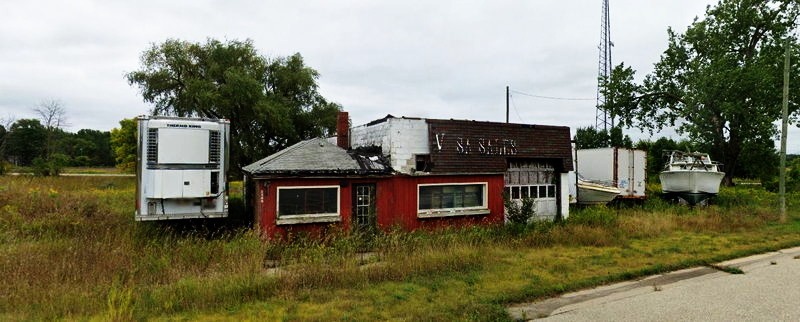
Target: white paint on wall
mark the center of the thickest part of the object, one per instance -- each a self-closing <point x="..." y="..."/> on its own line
<point x="400" y="139"/>
<point x="564" y="191"/>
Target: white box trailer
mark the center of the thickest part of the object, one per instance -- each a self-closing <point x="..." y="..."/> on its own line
<point x="623" y="168"/>
<point x="181" y="167"/>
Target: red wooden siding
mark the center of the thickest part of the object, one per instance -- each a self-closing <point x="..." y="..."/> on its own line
<point x="396" y="204"/>
<point x="267" y="208"/>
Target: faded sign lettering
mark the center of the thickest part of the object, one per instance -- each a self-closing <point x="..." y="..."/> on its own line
<point x="487" y="146"/>
<point x="439" y="140"/>
<point x="480" y="146"/>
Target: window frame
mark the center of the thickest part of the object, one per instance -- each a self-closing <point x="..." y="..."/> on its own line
<point x="307" y="218"/>
<point x="533" y="187"/>
<point x="457" y="211"/>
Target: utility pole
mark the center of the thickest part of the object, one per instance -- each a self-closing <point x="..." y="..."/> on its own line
<point x="507" y="97"/>
<point x="783" y="129"/>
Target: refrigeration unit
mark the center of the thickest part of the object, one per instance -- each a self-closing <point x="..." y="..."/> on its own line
<point x="181" y="168"/>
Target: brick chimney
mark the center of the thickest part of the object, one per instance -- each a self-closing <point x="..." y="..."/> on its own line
<point x="343" y="130"/>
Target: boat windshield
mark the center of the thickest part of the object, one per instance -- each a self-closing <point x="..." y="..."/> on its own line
<point x="690" y="160"/>
<point x="701" y="158"/>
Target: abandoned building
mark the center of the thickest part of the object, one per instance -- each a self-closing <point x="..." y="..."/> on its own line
<point x="410" y="173"/>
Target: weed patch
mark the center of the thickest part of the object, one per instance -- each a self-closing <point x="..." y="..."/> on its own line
<point x="69" y="249"/>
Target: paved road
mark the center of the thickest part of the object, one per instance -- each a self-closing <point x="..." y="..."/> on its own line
<point x="768" y="291"/>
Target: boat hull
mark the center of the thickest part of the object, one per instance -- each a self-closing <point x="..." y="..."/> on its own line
<point x="691" y="182"/>
<point x="589" y="195"/>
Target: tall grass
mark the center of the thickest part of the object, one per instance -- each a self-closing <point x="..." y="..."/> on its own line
<point x="69" y="248"/>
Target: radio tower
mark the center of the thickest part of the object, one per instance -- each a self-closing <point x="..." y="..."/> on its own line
<point x="601" y="117"/>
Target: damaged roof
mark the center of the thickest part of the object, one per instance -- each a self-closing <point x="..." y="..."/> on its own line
<point x="318" y="156"/>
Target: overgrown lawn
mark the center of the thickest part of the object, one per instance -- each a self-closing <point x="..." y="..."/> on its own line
<point x="69" y="248"/>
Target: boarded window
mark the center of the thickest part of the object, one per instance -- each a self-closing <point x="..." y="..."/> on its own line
<point x="451" y="196"/>
<point x="529" y="172"/>
<point x="308" y="201"/>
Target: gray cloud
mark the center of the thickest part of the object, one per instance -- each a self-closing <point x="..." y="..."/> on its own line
<point x="439" y="59"/>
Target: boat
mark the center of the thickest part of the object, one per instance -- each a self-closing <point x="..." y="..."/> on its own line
<point x="691" y="176"/>
<point x="595" y="192"/>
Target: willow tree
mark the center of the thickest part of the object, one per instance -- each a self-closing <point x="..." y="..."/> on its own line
<point x="718" y="83"/>
<point x="271" y="102"/>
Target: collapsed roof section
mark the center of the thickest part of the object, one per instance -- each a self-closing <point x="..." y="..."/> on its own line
<point x="320" y="157"/>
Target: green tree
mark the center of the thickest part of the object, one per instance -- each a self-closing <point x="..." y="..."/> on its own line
<point x="123" y="142"/>
<point x="96" y="145"/>
<point x="26" y="141"/>
<point x="3" y="137"/>
<point x="51" y="166"/>
<point x="271" y="103"/>
<point x="759" y="160"/>
<point x="3" y="163"/>
<point x="658" y="153"/>
<point x="719" y="82"/>
<point x="589" y="138"/>
<point x="792" y="178"/>
<point x="617" y="139"/>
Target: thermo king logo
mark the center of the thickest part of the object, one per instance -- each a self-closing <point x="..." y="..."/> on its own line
<point x="183" y="125"/>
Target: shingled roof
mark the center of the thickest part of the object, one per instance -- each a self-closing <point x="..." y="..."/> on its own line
<point x="318" y="156"/>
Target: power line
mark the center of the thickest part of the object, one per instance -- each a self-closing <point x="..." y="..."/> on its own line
<point x="515" y="108"/>
<point x="553" y="97"/>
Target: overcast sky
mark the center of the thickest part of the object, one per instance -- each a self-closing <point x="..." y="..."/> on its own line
<point x="436" y="59"/>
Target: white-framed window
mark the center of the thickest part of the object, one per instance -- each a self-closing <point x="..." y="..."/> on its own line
<point x="307" y="204"/>
<point x="452" y="199"/>
<point x="533" y="191"/>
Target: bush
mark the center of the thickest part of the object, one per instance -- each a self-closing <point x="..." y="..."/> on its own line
<point x="792" y="178"/>
<point x="51" y="166"/>
<point x="82" y="161"/>
<point x="4" y="167"/>
<point x="518" y="213"/>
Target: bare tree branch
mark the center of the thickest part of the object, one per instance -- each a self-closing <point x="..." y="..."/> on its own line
<point x="52" y="114"/>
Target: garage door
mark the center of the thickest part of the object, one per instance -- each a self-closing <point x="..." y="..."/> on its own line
<point x="535" y="180"/>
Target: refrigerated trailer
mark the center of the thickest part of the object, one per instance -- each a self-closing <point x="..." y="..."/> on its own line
<point x="181" y="168"/>
<point x="623" y="168"/>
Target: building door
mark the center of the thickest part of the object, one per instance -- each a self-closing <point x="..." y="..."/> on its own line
<point x="536" y="180"/>
<point x="364" y="214"/>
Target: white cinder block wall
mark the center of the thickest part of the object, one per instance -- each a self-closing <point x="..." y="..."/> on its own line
<point x="408" y="138"/>
<point x="400" y="139"/>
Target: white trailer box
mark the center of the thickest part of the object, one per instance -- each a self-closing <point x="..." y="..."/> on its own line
<point x="180" y="168"/>
<point x="623" y="168"/>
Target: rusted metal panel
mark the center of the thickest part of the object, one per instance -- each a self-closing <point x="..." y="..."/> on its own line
<point x="471" y="146"/>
